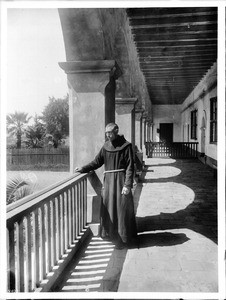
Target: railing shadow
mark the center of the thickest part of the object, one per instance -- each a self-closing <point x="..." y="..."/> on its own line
<point x="98" y="269"/>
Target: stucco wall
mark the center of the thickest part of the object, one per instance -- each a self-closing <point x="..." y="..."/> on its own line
<point x="167" y="114"/>
<point x="200" y="99"/>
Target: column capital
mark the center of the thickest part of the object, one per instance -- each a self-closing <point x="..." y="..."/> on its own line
<point x="144" y="118"/>
<point x="150" y="123"/>
<point x="91" y="66"/>
<point x="90" y="76"/>
<point x="139" y="110"/>
<point x="126" y="101"/>
<point x="125" y="105"/>
<point x="139" y="113"/>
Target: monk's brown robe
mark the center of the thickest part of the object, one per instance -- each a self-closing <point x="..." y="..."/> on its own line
<point x="117" y="210"/>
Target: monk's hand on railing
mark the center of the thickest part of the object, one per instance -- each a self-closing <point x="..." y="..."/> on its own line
<point x="77" y="170"/>
<point x="125" y="190"/>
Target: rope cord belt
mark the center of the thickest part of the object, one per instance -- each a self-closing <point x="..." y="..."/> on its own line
<point x="112" y="171"/>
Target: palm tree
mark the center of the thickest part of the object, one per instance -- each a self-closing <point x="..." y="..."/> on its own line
<point x="17" y="188"/>
<point x="16" y="124"/>
<point x="35" y="134"/>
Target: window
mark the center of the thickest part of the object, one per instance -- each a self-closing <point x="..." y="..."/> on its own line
<point x="213" y="120"/>
<point x="194" y="125"/>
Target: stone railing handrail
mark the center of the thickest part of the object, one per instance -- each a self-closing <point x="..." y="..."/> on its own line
<point x="27" y="202"/>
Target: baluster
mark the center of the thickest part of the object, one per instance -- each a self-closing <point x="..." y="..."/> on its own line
<point x="42" y="242"/>
<point x="73" y="213"/>
<point x="85" y="202"/>
<point x="36" y="254"/>
<point x="65" y="202"/>
<point x="28" y="273"/>
<point x="62" y="238"/>
<point x="20" y="257"/>
<point x="11" y="258"/>
<point x="77" y="211"/>
<point x="58" y="231"/>
<point x="69" y="217"/>
<point x="48" y="237"/>
<point x="53" y="232"/>
<point x="80" y="207"/>
<point x="82" y="204"/>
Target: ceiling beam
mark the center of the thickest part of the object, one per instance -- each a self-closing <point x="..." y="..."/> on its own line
<point x="178" y="63"/>
<point x="174" y="30"/>
<point x="182" y="68"/>
<point x="149" y="15"/>
<point x="184" y="35"/>
<point x="177" y="47"/>
<point x="172" y="53"/>
<point x="157" y="74"/>
<point x="172" y="25"/>
<point x="173" y="20"/>
<point x="184" y="41"/>
<point x="136" y="12"/>
<point x="184" y="60"/>
<point x="170" y="43"/>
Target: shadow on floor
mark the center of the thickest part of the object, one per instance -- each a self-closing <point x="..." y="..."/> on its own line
<point x="161" y="239"/>
<point x="199" y="216"/>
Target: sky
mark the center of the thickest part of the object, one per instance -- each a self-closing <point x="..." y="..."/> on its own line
<point x="34" y="48"/>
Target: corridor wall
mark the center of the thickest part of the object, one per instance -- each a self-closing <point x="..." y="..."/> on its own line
<point x="199" y="100"/>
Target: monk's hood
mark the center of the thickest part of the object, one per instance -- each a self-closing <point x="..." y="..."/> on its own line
<point x="118" y="144"/>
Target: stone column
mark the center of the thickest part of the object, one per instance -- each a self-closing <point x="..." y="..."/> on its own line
<point x="138" y="128"/>
<point x="149" y="128"/>
<point x="125" y="117"/>
<point x="144" y="125"/>
<point x="151" y="131"/>
<point x="148" y="132"/>
<point x="92" y="106"/>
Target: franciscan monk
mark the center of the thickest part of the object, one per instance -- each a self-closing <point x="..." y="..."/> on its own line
<point x="117" y="208"/>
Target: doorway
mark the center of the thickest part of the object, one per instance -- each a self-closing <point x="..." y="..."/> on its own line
<point x="166" y="132"/>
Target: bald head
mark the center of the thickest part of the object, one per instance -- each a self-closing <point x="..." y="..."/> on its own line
<point x="111" y="131"/>
<point x="111" y="127"/>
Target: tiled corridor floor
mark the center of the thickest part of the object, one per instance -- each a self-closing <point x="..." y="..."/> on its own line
<point x="176" y="210"/>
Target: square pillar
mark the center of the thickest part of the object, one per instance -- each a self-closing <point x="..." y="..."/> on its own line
<point x="125" y="118"/>
<point x="144" y="125"/>
<point x="138" y="128"/>
<point x="91" y="106"/>
<point x="148" y="131"/>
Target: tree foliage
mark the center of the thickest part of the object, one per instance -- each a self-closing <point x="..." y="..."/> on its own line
<point x="56" y="118"/>
<point x="35" y="134"/>
<point x="16" y="125"/>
